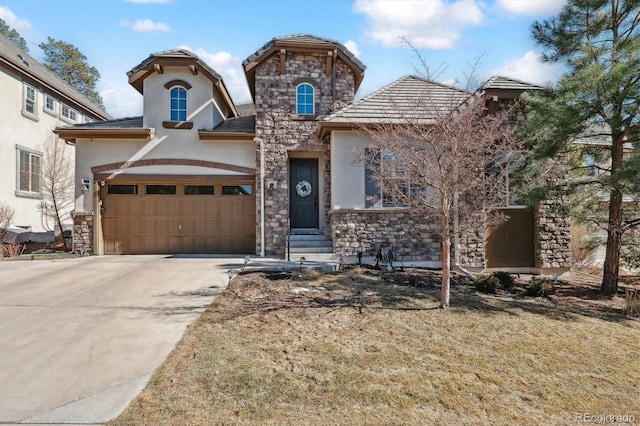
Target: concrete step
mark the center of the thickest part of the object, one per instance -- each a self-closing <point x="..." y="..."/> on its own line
<point x="311" y="243"/>
<point x="313" y="257"/>
<point x="308" y="237"/>
<point x="298" y="250"/>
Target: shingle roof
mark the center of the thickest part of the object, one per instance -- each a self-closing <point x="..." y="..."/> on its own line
<point x="306" y="42"/>
<point x="400" y="100"/>
<point x="120" y="123"/>
<point x="178" y="54"/>
<point x="16" y="58"/>
<point x="498" y="82"/>
<point x="246" y="124"/>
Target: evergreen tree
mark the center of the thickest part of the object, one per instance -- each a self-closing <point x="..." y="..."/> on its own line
<point x="13" y="35"/>
<point x="597" y="99"/>
<point x="68" y="63"/>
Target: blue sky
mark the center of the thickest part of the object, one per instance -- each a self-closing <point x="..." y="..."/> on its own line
<point x="116" y="35"/>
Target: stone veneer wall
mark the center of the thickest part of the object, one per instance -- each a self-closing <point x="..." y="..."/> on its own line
<point x="83" y="233"/>
<point x="553" y="234"/>
<point x="366" y="231"/>
<point x="283" y="131"/>
<point x="472" y="249"/>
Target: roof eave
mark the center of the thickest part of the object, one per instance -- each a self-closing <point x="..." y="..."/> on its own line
<point x="71" y="135"/>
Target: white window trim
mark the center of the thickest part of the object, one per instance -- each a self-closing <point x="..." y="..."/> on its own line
<point x="53" y="111"/>
<point x="32" y="115"/>
<point x="19" y="192"/>
<point x="64" y="117"/>
<point x="313" y="101"/>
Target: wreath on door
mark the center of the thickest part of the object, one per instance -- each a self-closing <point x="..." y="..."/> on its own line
<point x="303" y="188"/>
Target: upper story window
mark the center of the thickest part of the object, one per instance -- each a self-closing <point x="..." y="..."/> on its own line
<point x="29" y="106"/>
<point x="49" y="104"/>
<point x="305" y="99"/>
<point x="28" y="172"/>
<point x="178" y="104"/>
<point x="69" y="113"/>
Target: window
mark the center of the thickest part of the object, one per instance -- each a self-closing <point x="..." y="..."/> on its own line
<point x="161" y="189"/>
<point x="390" y="187"/>
<point x="198" y="190"/>
<point x="69" y="113"/>
<point x="305" y="99"/>
<point x="178" y="104"/>
<point x="122" y="189"/>
<point x="49" y="104"/>
<point x="237" y="190"/>
<point x="30" y="101"/>
<point x="29" y="171"/>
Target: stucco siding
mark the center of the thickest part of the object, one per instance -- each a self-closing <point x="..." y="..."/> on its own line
<point x="347" y="177"/>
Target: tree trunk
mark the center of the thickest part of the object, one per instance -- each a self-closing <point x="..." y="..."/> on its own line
<point x="446" y="268"/>
<point x="611" y="266"/>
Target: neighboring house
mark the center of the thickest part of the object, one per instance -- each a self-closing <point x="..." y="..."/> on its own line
<point x="196" y="174"/>
<point x="33" y="102"/>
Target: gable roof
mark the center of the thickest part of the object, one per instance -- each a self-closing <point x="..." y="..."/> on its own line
<point x="179" y="58"/>
<point x="301" y="42"/>
<point x="498" y="82"/>
<point x="18" y="60"/>
<point x="397" y="102"/>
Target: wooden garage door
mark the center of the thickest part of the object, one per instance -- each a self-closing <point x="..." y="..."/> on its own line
<point x="167" y="218"/>
<point x="510" y="244"/>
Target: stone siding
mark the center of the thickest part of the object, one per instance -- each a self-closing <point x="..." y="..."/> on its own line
<point x="282" y="130"/>
<point x="553" y="234"/>
<point x="366" y="231"/>
<point x="83" y="233"/>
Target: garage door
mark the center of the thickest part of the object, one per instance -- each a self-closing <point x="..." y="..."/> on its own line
<point x="166" y="218"/>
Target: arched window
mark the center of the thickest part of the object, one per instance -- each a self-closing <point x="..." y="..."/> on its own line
<point x="178" y="104"/>
<point x="305" y="99"/>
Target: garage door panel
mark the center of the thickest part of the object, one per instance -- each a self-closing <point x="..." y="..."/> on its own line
<point x="154" y="223"/>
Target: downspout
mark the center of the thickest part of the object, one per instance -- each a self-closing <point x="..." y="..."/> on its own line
<point x="261" y="141"/>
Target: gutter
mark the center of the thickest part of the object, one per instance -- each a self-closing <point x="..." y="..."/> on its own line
<point x="261" y="141"/>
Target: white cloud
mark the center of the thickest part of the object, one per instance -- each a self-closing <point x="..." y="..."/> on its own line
<point x="353" y="48"/>
<point x="120" y="103"/>
<point x="146" y="26"/>
<point x="230" y="68"/>
<point x="532" y="7"/>
<point x="529" y="68"/>
<point x="434" y="24"/>
<point x="12" y="20"/>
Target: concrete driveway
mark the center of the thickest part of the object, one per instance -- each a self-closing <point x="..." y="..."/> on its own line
<point x="80" y="338"/>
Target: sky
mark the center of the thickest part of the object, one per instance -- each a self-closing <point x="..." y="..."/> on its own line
<point x="448" y="35"/>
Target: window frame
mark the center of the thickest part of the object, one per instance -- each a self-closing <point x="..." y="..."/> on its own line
<point x="28" y="103"/>
<point x="304" y="105"/>
<point x="30" y="190"/>
<point x="181" y="113"/>
<point x="375" y="188"/>
<point x="71" y="111"/>
<point x="54" y="108"/>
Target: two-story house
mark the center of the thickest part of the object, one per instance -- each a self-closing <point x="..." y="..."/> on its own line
<point x="33" y="102"/>
<point x="195" y="174"/>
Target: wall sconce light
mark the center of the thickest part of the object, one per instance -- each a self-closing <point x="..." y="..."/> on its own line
<point x="85" y="184"/>
<point x="272" y="184"/>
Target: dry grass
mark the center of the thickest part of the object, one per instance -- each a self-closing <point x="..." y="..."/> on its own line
<point x="370" y="348"/>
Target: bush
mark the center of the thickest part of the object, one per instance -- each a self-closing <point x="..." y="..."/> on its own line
<point x="506" y="279"/>
<point x="540" y="287"/>
<point x="488" y="284"/>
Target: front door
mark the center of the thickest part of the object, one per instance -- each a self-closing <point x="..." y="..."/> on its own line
<point x="303" y="192"/>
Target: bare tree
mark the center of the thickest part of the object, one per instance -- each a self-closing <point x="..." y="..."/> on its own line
<point x="6" y="217"/>
<point x="444" y="160"/>
<point x="57" y="184"/>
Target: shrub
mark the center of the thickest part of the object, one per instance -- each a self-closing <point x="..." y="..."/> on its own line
<point x="506" y="279"/>
<point x="488" y="284"/>
<point x="540" y="287"/>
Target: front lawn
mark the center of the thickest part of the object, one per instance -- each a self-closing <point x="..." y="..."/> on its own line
<point x="367" y="347"/>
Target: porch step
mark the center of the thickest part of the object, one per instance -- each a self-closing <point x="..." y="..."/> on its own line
<point x="313" y="257"/>
<point x="308" y="243"/>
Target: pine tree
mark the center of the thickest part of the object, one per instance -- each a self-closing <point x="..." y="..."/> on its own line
<point x="13" y="35"/>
